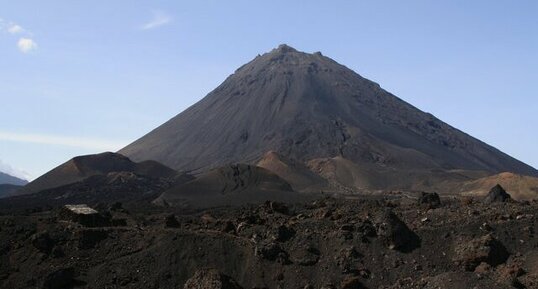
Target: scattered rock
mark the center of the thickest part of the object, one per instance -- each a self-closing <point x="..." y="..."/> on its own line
<point x="451" y="280"/>
<point x="271" y="251"/>
<point x="429" y="200"/>
<point x="484" y="249"/>
<point x="118" y="207"/>
<point x="351" y="283"/>
<point x="60" y="279"/>
<point x="171" y="221"/>
<point x="228" y="227"/>
<point x="347" y="258"/>
<point x="42" y="242"/>
<point x="210" y="279"/>
<point x="279" y="208"/>
<point x="57" y="252"/>
<point x="367" y="229"/>
<point x="395" y="233"/>
<point x="283" y="233"/>
<point x="497" y="195"/>
<point x="306" y="257"/>
<point x="88" y="239"/>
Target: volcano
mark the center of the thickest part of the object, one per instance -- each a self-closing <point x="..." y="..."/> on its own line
<point x="312" y="111"/>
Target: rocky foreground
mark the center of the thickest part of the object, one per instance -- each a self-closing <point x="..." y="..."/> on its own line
<point x="396" y="241"/>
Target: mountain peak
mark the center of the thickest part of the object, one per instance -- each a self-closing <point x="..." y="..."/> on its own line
<point x="284" y="48"/>
<point x="307" y="106"/>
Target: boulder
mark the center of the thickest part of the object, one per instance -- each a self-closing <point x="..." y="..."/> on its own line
<point x="279" y="207"/>
<point x="497" y="194"/>
<point x="470" y="253"/>
<point x="429" y="200"/>
<point x="60" y="279"/>
<point x="395" y="233"/>
<point x="351" y="283"/>
<point x="88" y="239"/>
<point x="171" y="222"/>
<point x="210" y="279"/>
<point x="283" y="233"/>
<point x="271" y="251"/>
<point x="83" y="215"/>
<point x="308" y="256"/>
<point x="42" y="242"/>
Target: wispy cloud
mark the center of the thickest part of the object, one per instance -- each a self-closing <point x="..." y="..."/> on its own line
<point x="82" y="143"/>
<point x="21" y="174"/>
<point x="15" y="28"/>
<point x="159" y="19"/>
<point x="26" y="45"/>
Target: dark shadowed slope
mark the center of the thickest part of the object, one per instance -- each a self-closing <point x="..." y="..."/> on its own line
<point x="82" y="167"/>
<point x="229" y="185"/>
<point x="8" y="189"/>
<point x="307" y="106"/>
<point x="8" y="179"/>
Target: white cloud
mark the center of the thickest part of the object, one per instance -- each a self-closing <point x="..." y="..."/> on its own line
<point x="5" y="168"/>
<point x="159" y="19"/>
<point x="82" y="143"/>
<point x="15" y="29"/>
<point x="26" y="45"/>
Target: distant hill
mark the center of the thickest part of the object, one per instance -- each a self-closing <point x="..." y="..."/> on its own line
<point x="229" y="185"/>
<point x="8" y="189"/>
<point x="82" y="167"/>
<point x="518" y="186"/>
<point x="8" y="179"/>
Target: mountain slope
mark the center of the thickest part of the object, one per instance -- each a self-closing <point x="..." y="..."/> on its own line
<point x="11" y="180"/>
<point x="307" y="106"/>
<point x="229" y="185"/>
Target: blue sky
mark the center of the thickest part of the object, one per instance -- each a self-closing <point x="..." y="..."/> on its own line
<point x="80" y="77"/>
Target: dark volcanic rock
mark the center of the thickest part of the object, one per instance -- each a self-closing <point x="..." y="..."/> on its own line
<point x="210" y="279"/>
<point x="89" y="238"/>
<point x="351" y="283"/>
<point x="272" y="251"/>
<point x="60" y="279"/>
<point x="429" y="200"/>
<point x="83" y="215"/>
<point x="171" y="221"/>
<point x="42" y="242"/>
<point x="308" y="256"/>
<point x="470" y="253"/>
<point x="395" y="233"/>
<point x="497" y="194"/>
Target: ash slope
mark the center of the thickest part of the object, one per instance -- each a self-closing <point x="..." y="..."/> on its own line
<point x="307" y="106"/>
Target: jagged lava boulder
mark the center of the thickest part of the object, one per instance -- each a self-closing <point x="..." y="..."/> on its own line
<point x="497" y="194"/>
